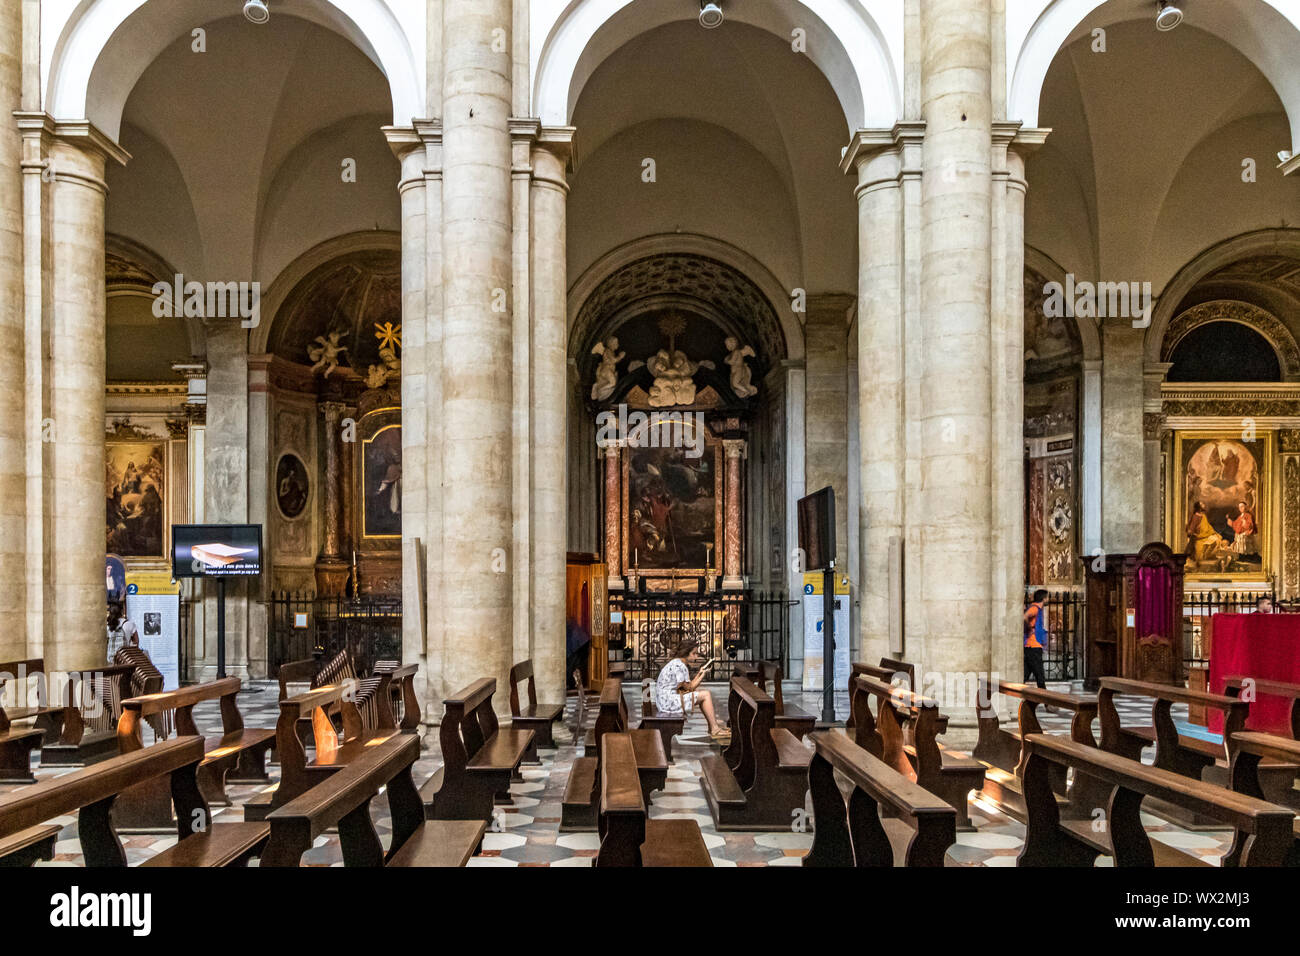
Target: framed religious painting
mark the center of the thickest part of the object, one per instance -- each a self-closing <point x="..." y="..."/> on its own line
<point x="134" y="490"/>
<point x="380" y="434"/>
<point x="1222" y="508"/>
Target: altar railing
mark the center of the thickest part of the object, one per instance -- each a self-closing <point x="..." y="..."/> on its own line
<point x="302" y="625"/>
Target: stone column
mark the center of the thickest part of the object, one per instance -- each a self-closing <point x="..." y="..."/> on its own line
<point x="331" y="569"/>
<point x="225" y="480"/>
<point x="826" y="405"/>
<point x="1153" y="434"/>
<point x="1122" y="464"/>
<point x="956" y="387"/>
<point x="76" y="345"/>
<point x="612" y="453"/>
<point x="732" y="573"/>
<point x="881" y="379"/>
<point x="477" y="388"/>
<point x="1091" y="435"/>
<point x="13" y="479"/>
<point x="548" y="507"/>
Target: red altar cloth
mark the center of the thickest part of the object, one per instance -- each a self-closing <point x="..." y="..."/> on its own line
<point x="1263" y="646"/>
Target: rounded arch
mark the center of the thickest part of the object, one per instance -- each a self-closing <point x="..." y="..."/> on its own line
<point x="1277" y="242"/>
<point x="95" y="56"/>
<point x="314" y="258"/>
<point x="1268" y="326"/>
<point x="132" y="268"/>
<point x="1266" y="32"/>
<point x="857" y="45"/>
<point x="686" y="245"/>
<point x="1052" y="271"/>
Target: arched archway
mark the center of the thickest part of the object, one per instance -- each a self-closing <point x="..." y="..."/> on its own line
<point x="858" y="46"/>
<point x="94" y="56"/>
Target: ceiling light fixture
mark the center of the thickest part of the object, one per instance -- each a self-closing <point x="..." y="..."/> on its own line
<point x="1284" y="156"/>
<point x="710" y="14"/>
<point x="1168" y="16"/>
<point x="255" y="11"/>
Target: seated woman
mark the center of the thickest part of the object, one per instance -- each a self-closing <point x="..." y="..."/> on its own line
<point x="676" y="691"/>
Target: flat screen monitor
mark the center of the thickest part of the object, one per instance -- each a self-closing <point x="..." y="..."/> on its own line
<point x="817" y="529"/>
<point x="216" y="550"/>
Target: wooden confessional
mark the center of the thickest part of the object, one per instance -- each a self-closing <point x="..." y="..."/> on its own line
<point x="1135" y="616"/>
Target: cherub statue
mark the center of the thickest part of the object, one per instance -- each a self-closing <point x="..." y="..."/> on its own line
<point x="380" y="375"/>
<point x="740" y="373"/>
<point x="673" y="378"/>
<point x="326" y="353"/>
<point x="606" y="372"/>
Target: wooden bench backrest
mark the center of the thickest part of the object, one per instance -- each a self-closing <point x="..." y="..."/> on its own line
<point x="882" y="735"/>
<point x="468" y="720"/>
<point x="1270" y="824"/>
<point x="1233" y="686"/>
<point x="311" y="705"/>
<point x="851" y="834"/>
<point x="754" y="716"/>
<point x="521" y="672"/>
<point x="93" y="788"/>
<point x="343" y="800"/>
<point x="130" y="731"/>
<point x="296" y="672"/>
<point x="1234" y="710"/>
<point x="621" y="820"/>
<point x="896" y="667"/>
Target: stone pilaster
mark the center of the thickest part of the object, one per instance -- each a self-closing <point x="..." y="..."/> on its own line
<point x="477" y="381"/>
<point x="331" y="569"/>
<point x="826" y="405"/>
<point x="1122" y="453"/>
<point x="548" y="508"/>
<point x="956" y="387"/>
<point x="13" y="479"/>
<point x="734" y="450"/>
<point x="1153" y="434"/>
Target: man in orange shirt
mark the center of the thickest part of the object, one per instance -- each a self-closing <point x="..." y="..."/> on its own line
<point x="1036" y="639"/>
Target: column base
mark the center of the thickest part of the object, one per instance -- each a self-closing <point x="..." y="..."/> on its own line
<point x="331" y="576"/>
<point x="734" y="584"/>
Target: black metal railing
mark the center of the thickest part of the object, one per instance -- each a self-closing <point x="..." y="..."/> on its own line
<point x="302" y="625"/>
<point x="1063" y="659"/>
<point x="732" y="626"/>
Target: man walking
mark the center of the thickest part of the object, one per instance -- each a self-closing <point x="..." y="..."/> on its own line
<point x="1036" y="639"/>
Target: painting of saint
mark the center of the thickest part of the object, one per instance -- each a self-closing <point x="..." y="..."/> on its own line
<point x="291" y="486"/>
<point x="1223" y="491"/>
<point x="134" y="489"/>
<point x="381" y="468"/>
<point x="671" y="516"/>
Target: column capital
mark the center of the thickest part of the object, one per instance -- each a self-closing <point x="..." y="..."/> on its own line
<point x="83" y="134"/>
<point x="735" y="447"/>
<point x="332" y="411"/>
<point x="868" y="143"/>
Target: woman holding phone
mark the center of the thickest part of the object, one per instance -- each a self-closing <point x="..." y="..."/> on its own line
<point x="676" y="692"/>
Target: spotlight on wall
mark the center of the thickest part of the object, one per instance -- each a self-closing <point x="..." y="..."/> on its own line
<point x="710" y="14"/>
<point x="1284" y="156"/>
<point x="255" y="11"/>
<point x="1168" y="16"/>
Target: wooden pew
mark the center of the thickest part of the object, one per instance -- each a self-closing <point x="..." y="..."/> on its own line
<point x="63" y="736"/>
<point x="532" y="716"/>
<point x="580" y="806"/>
<point x="667" y="725"/>
<point x="888" y="671"/>
<point x="790" y="717"/>
<point x="344" y="801"/>
<point x="886" y="821"/>
<point x="1249" y="751"/>
<point x="1001" y="749"/>
<point x="627" y="836"/>
<point x="1264" y="831"/>
<point x="1278" y="780"/>
<point x="93" y="790"/>
<point x="396" y="707"/>
<point x="1291" y="692"/>
<point x="940" y="771"/>
<point x="148" y="806"/>
<point x="761" y="779"/>
<point x="478" y="757"/>
<point x="332" y="750"/>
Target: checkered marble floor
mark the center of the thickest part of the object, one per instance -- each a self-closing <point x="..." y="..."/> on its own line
<point x="526" y="833"/>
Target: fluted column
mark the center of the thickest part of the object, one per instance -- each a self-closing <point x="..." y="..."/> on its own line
<point x="734" y="453"/>
<point x="76" y="388"/>
<point x="548" y="511"/>
<point x="476" y="372"/>
<point x="956" y="388"/>
<point x="13" y="481"/>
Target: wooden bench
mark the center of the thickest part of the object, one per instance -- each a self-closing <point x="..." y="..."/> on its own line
<point x="1001" y="749"/>
<point x="344" y="801"/>
<point x="1277" y="779"/>
<point x="61" y="730"/>
<point x="386" y="700"/>
<point x="1269" y="688"/>
<point x="627" y="836"/>
<point x="332" y="750"/>
<point x="1249" y="751"/>
<point x="793" y="719"/>
<point x="478" y="757"/>
<point x="580" y="806"/>
<point x="886" y="820"/>
<point x="25" y="847"/>
<point x="944" y="773"/>
<point x="94" y="789"/>
<point x="668" y="725"/>
<point x="761" y="779"/>
<point x="888" y="671"/>
<point x="1263" y="829"/>
<point x="239" y="750"/>
<point x="532" y="716"/>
